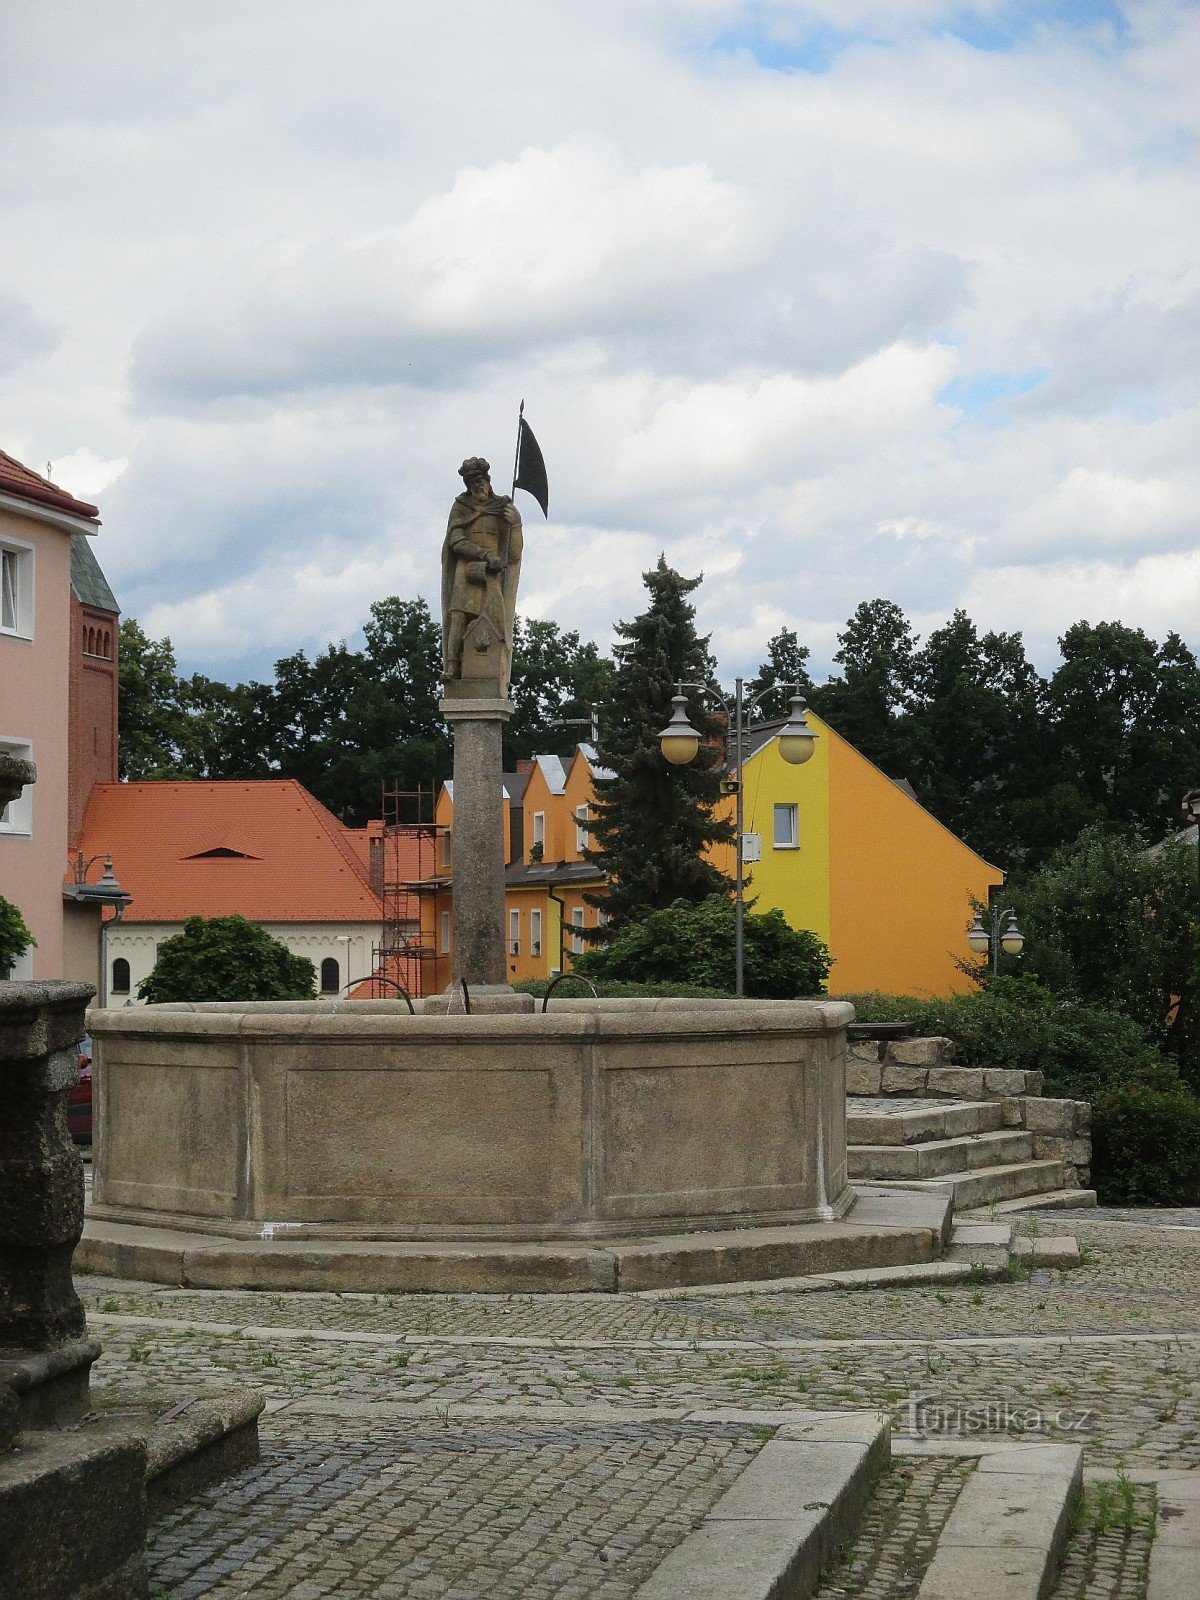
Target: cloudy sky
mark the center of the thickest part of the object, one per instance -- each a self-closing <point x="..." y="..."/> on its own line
<point x="834" y="300"/>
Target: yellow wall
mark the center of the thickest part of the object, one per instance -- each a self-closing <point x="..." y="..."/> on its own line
<point x="796" y="881"/>
<point x="902" y="884"/>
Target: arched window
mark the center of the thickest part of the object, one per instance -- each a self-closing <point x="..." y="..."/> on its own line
<point x="331" y="976"/>
<point x="107" y="645"/>
<point x="120" y="976"/>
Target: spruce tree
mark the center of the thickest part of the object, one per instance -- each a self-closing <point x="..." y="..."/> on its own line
<point x="652" y="821"/>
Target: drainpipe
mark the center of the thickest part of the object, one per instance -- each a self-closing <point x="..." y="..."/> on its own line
<point x="562" y="927"/>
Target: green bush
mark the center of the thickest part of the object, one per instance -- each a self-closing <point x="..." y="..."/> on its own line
<point x="613" y="989"/>
<point x="1145" y="1121"/>
<point x="1014" y="1022"/>
<point x="15" y="937"/>
<point x="1146" y="1145"/>
<point x="227" y="958"/>
<point x="693" y="943"/>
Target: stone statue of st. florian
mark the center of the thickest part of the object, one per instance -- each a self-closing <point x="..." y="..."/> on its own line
<point x="481" y="566"/>
<point x="481" y="563"/>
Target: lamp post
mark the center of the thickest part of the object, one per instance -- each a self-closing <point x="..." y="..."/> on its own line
<point x="344" y="938"/>
<point x="679" y="742"/>
<point x="106" y="892"/>
<point x="996" y="934"/>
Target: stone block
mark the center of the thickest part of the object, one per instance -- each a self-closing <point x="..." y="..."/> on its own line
<point x="1000" y="1081"/>
<point x="963" y="1083"/>
<point x="1080" y="1152"/>
<point x="864" y="1050"/>
<point x="1013" y="1112"/>
<point x="904" y="1080"/>
<point x="864" y="1077"/>
<point x="933" y="1052"/>
<point x="1083" y="1117"/>
<point x="37" y="1019"/>
<point x="73" y="1516"/>
<point x="1034" y="1082"/>
<point x="1050" y="1116"/>
<point x="1050" y="1147"/>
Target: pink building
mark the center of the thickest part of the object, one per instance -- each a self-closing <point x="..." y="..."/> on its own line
<point x="49" y="690"/>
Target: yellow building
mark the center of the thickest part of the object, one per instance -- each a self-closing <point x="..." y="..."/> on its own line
<point x="852" y="855"/>
<point x="840" y="848"/>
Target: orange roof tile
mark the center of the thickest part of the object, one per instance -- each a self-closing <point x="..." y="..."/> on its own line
<point x="263" y="848"/>
<point x="21" y="481"/>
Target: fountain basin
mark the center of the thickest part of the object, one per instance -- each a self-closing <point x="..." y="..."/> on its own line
<point x="605" y="1145"/>
<point x="355" y="1119"/>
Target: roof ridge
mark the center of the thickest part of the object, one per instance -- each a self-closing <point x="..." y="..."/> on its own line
<point x="26" y="484"/>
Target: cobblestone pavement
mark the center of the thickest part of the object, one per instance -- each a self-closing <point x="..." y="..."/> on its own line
<point x="1107" y="1354"/>
<point x="503" y="1509"/>
<point x="898" y="1532"/>
<point x="1108" y="1556"/>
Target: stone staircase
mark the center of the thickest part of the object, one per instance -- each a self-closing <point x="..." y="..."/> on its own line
<point x="989" y="1136"/>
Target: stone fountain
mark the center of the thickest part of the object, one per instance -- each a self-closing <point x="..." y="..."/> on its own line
<point x="599" y="1145"/>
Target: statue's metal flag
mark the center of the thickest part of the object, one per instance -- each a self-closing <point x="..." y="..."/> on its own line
<point x="529" y="469"/>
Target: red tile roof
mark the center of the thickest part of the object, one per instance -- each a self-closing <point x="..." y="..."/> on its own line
<point x="264" y="849"/>
<point x="25" y="484"/>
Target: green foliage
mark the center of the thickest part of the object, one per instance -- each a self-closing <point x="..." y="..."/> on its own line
<point x="615" y="989"/>
<point x="556" y="678"/>
<point x="1109" y="922"/>
<point x="1146" y="1145"/>
<point x="652" y="821"/>
<point x="1145" y="1121"/>
<point x="1080" y="1048"/>
<point x="786" y="663"/>
<point x="869" y="703"/>
<point x="15" y="937"/>
<point x="693" y="943"/>
<point x="227" y="958"/>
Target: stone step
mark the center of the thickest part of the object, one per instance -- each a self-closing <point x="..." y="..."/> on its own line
<point x="771" y="1533"/>
<point x="1056" y="1200"/>
<point x="940" y="1156"/>
<point x="913" y="1122"/>
<point x="1005" y="1536"/>
<point x="994" y="1184"/>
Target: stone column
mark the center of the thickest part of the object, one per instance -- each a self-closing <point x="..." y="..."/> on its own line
<point x="478" y="840"/>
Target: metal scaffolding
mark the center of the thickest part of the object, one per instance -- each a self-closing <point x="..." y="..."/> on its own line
<point x="404" y="865"/>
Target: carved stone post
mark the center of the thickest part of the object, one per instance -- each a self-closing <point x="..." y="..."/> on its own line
<point x="41" y="1174"/>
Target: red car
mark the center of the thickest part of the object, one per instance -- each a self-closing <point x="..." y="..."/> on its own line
<point x="79" y="1101"/>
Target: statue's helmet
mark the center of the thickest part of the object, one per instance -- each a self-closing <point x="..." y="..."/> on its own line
<point x="474" y="467"/>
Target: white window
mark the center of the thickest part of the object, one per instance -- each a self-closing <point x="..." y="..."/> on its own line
<point x="514" y="933"/>
<point x="787" y="830"/>
<point x="445" y="940"/>
<point x="581" y="828"/>
<point x="539" y="833"/>
<point x="601" y="916"/>
<point x="17" y="815"/>
<point x="16" y="590"/>
<point x="535" y="933"/>
<point x="577" y="944"/>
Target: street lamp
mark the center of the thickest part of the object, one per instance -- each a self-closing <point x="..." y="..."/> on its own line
<point x="996" y="935"/>
<point x="679" y="742"/>
<point x="344" y="938"/>
<point x="106" y="892"/>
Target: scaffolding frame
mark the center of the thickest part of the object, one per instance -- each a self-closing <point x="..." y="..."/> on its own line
<point x="409" y="836"/>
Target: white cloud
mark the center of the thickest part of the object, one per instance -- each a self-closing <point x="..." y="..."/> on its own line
<point x="267" y="285"/>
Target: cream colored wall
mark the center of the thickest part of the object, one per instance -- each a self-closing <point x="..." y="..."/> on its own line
<point x="138" y="943"/>
<point x="34" y="693"/>
<point x="81" y="942"/>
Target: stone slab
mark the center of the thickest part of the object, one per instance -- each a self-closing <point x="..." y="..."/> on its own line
<point x="1004" y="1538"/>
<point x="192" y="1439"/>
<point x="887" y="1228"/>
<point x="49" y="1386"/>
<point x="1057" y="1250"/>
<point x="771" y="1533"/>
<point x="73" y="1516"/>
